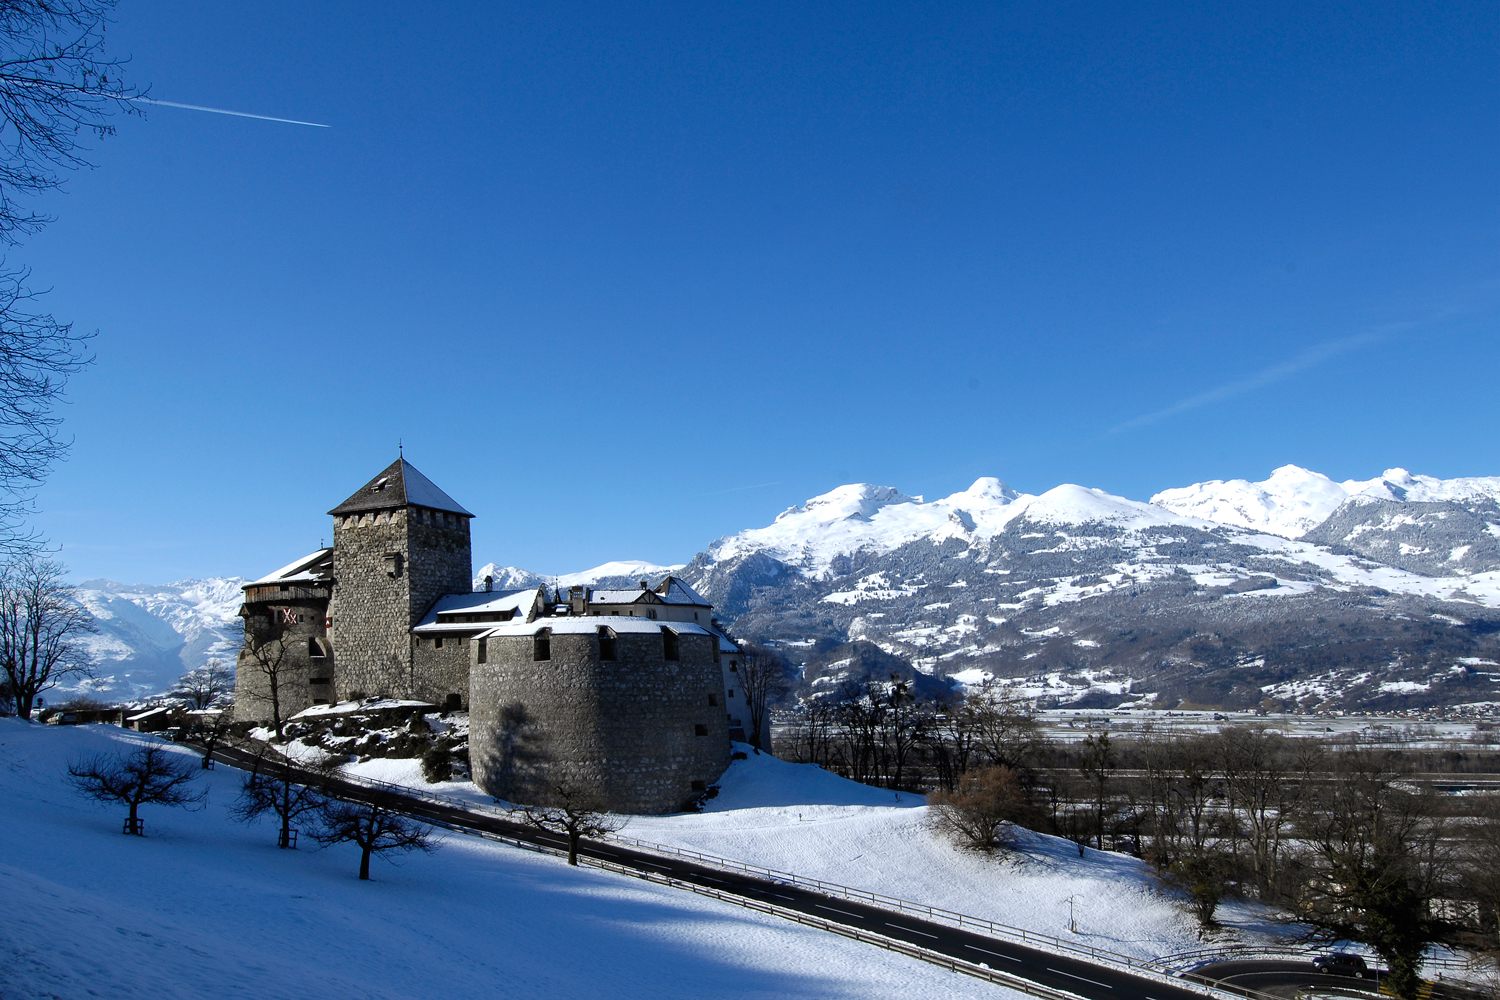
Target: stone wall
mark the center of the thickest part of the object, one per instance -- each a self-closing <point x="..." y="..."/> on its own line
<point x="647" y="733"/>
<point x="390" y="567"/>
<point x="302" y="680"/>
<point x="441" y="672"/>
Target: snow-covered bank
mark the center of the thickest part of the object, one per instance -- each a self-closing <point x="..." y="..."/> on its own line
<point x="205" y="906"/>
<point x="800" y="819"/>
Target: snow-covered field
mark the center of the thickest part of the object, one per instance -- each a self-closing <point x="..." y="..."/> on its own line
<point x="204" y="906"/>
<point x="800" y="819"/>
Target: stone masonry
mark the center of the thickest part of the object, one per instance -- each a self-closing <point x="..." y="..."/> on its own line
<point x="649" y="732"/>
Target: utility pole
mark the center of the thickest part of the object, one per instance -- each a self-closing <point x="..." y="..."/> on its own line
<point x="1072" y="923"/>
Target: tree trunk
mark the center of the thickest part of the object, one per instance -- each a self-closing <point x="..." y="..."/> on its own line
<point x="135" y="826"/>
<point x="573" y="848"/>
<point x="364" y="863"/>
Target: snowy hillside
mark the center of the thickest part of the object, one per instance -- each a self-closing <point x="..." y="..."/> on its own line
<point x="1294" y="500"/>
<point x="801" y="819"/>
<point x="205" y="906"/>
<point x="149" y="635"/>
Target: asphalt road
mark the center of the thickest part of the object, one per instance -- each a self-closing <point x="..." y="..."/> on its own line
<point x="1056" y="970"/>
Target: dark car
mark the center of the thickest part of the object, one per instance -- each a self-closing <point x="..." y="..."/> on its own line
<point x="1340" y="964"/>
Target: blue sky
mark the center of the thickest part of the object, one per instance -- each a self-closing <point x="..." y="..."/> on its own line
<point x="627" y="278"/>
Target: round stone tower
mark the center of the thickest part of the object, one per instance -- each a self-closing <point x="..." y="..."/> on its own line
<point x="630" y="708"/>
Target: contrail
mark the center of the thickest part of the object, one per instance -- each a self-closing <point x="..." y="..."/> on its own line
<point x="223" y="111"/>
<point x="1265" y="377"/>
<point x="735" y="489"/>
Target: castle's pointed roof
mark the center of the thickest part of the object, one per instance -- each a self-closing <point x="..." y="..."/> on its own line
<point x="399" y="485"/>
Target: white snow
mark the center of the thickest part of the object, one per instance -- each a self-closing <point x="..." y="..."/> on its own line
<point x="205" y="906"/>
<point x="1293" y="500"/>
<point x="865" y="518"/>
<point x="1290" y="502"/>
<point x="513" y="578"/>
<point x="800" y="819"/>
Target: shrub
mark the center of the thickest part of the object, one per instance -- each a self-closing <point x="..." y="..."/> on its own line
<point x="976" y="813"/>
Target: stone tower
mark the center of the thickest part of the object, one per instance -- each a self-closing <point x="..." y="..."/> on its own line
<point x="399" y="544"/>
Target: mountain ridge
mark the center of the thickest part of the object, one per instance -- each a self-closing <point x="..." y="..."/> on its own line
<point x="991" y="580"/>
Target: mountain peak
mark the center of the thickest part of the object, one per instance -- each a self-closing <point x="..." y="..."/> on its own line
<point x="858" y="500"/>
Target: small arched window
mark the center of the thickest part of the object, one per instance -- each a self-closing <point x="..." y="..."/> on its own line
<point x="541" y="645"/>
<point x="670" y="645"/>
<point x="606" y="644"/>
<point x="315" y="649"/>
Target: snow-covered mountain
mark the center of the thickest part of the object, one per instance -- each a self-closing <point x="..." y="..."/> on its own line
<point x="620" y="573"/>
<point x="1089" y="595"/>
<point x="1299" y="589"/>
<point x="150" y="635"/>
<point x="1293" y="500"/>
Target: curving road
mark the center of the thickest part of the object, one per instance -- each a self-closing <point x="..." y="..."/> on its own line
<point x="1027" y="968"/>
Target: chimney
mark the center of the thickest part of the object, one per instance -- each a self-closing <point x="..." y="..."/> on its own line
<point x="644" y="586"/>
<point x="578" y="600"/>
<point x="489" y="584"/>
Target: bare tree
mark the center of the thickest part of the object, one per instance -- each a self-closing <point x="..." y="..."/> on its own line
<point x="764" y="679"/>
<point x="150" y="776"/>
<point x="56" y="86"/>
<point x="1265" y="776"/>
<point x="264" y="655"/>
<point x="202" y="686"/>
<point x="1377" y="856"/>
<point x="209" y="728"/>
<point x="976" y="814"/>
<point x="374" y="827"/>
<point x="1097" y="763"/>
<point x="1004" y="727"/>
<point x="40" y="625"/>
<point x="573" y="808"/>
<point x="275" y="786"/>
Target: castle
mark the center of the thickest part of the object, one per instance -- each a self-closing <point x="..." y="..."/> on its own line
<point x="635" y="692"/>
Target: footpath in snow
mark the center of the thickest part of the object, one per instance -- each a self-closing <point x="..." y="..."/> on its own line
<point x="205" y="906"/>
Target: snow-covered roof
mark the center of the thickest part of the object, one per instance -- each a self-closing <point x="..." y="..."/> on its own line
<point x="399" y="485"/>
<point x="347" y="707"/>
<point x="590" y="624"/>
<point x="726" y="644"/>
<point x="516" y="603"/>
<point x="674" y="591"/>
<point x="149" y="712"/>
<point x="310" y="568"/>
<point x="621" y="596"/>
<point x="483" y="603"/>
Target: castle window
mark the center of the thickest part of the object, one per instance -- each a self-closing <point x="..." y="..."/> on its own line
<point x="318" y="680"/>
<point x="700" y="786"/>
<point x="437" y="642"/>
<point x="695" y="616"/>
<point x="713" y="700"/>
<point x="700" y="730"/>
<point x="733" y="667"/>
<point x="541" y="645"/>
<point x="315" y="649"/>
<point x="606" y="644"/>
<point x="482" y="651"/>
<point x="394" y="565"/>
<point x="669" y="645"/>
